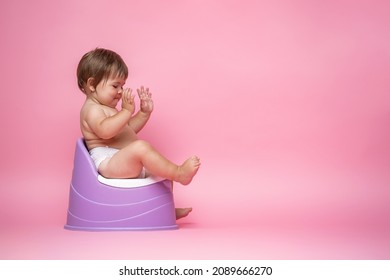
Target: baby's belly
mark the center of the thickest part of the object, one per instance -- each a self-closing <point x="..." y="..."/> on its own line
<point x="120" y="141"/>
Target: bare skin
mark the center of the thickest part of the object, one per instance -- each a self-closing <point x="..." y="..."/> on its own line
<point x="182" y="212"/>
<point x="103" y="125"/>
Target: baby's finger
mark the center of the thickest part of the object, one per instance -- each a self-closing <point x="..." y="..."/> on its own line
<point x="124" y="94"/>
<point x="148" y="93"/>
<point x="127" y="94"/>
<point x="140" y="94"/>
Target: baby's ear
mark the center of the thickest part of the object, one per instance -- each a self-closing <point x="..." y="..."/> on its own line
<point x="91" y="84"/>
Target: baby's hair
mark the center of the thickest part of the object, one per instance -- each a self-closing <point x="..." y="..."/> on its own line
<point x="100" y="64"/>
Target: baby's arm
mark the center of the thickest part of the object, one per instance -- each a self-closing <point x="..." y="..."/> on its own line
<point x="139" y="120"/>
<point x="107" y="127"/>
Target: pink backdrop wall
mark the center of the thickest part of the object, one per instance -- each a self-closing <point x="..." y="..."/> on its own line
<point x="286" y="102"/>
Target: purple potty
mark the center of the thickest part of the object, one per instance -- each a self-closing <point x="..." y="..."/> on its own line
<point x="100" y="204"/>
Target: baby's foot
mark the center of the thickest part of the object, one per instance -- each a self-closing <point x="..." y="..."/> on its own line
<point x="182" y="212"/>
<point x="188" y="170"/>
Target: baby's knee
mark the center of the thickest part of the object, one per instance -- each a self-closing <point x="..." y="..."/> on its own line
<point x="141" y="146"/>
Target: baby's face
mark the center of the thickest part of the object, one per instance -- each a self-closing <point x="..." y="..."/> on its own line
<point x="109" y="92"/>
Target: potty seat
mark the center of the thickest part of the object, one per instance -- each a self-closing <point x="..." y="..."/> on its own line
<point x="100" y="204"/>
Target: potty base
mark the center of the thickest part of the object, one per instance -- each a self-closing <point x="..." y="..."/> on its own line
<point x="96" y="206"/>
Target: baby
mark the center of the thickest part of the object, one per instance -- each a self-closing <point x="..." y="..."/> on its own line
<point x="111" y="134"/>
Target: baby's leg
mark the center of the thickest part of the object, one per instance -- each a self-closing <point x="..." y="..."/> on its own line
<point x="128" y="163"/>
<point x="182" y="212"/>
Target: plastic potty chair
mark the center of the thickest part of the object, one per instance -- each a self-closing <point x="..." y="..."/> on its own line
<point x="100" y="204"/>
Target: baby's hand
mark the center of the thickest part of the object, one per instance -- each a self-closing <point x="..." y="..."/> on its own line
<point x="128" y="101"/>
<point x="146" y="100"/>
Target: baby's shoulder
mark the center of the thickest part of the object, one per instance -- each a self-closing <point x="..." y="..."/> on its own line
<point x="92" y="109"/>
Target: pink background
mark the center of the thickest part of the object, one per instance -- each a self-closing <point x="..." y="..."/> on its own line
<point x="286" y="102"/>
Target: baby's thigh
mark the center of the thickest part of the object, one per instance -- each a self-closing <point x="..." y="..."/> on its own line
<point x="124" y="164"/>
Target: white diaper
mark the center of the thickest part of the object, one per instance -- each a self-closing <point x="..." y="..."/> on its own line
<point x="99" y="154"/>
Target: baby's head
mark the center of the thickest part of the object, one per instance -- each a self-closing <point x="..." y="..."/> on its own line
<point x="97" y="65"/>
